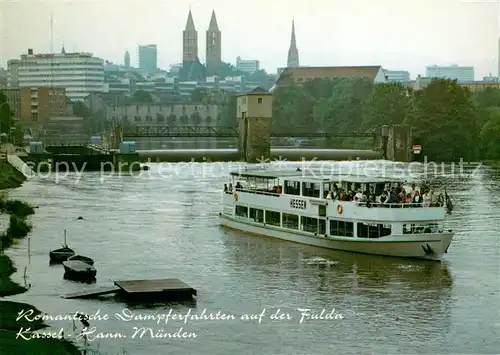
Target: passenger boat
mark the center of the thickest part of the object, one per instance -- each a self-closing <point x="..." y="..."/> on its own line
<point x="299" y="207"/>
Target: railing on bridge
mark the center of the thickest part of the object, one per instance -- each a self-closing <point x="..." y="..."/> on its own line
<point x="225" y="132"/>
<point x="181" y="131"/>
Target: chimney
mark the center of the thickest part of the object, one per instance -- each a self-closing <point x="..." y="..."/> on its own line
<point x="30" y="51"/>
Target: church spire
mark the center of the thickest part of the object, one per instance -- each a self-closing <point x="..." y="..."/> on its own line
<point x="190" y="22"/>
<point x="189" y="41"/>
<point x="293" y="52"/>
<point x="213" y="27"/>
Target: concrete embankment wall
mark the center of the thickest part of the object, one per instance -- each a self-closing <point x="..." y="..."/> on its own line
<point x="20" y="165"/>
<point x="201" y="155"/>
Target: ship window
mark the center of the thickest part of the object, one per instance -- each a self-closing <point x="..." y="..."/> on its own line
<point x="292" y="188"/>
<point x="257" y="215"/>
<point x="341" y="228"/>
<point x="241" y="211"/>
<point x="322" y="226"/>
<point x="290" y="221"/>
<point x="421" y="228"/>
<point x="372" y="230"/>
<point x="259" y="100"/>
<point x="273" y="218"/>
<point x="309" y="224"/>
<point x="310" y="189"/>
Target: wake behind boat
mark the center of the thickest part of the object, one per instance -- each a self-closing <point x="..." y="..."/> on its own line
<point x="373" y="215"/>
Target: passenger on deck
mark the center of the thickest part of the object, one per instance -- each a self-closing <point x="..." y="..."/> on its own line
<point x="238" y="186"/>
<point x="226" y="189"/>
<point x="329" y="195"/>
<point x="417" y="199"/>
<point x="230" y="188"/>
<point x="408" y="198"/>
<point x="358" y="195"/>
<point x="383" y="197"/>
<point x="427" y="199"/>
<point x="413" y="190"/>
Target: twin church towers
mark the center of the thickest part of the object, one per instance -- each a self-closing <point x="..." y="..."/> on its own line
<point x="213" y="46"/>
<point x="192" y="69"/>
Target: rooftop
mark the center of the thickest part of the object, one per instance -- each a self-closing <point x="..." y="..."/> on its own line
<point x="313" y="175"/>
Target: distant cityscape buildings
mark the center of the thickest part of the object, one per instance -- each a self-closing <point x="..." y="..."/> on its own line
<point x="397" y="76"/>
<point x="148" y="58"/>
<point x="79" y="73"/>
<point x="126" y="60"/>
<point x="453" y="72"/>
<point x="247" y="66"/>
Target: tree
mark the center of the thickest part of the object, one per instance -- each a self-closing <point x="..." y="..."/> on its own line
<point x="490" y="135"/>
<point x="142" y="96"/>
<point x="199" y="95"/>
<point x="6" y="114"/>
<point x="444" y="121"/>
<point x="388" y="104"/>
<point x="17" y="135"/>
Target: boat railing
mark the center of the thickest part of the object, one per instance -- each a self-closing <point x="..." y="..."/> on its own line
<point x="395" y="205"/>
<point x="256" y="191"/>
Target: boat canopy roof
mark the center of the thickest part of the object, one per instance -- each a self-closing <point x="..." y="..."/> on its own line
<point x="311" y="175"/>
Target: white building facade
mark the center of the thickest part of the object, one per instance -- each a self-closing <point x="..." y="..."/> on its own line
<point x="247" y="66"/>
<point x="453" y="72"/>
<point x="79" y="73"/>
<point x="397" y="76"/>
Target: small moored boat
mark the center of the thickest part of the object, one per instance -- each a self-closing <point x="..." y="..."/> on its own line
<point x="77" y="270"/>
<point x="61" y="254"/>
<point x="85" y="259"/>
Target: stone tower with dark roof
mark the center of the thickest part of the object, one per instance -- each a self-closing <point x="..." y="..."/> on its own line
<point x="213" y="47"/>
<point x="293" y="52"/>
<point x="189" y="41"/>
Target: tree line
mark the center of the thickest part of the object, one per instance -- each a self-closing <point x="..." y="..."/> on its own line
<point x="447" y="119"/>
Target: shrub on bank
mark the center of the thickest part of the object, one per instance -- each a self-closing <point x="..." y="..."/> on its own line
<point x="16" y="207"/>
<point x="18" y="227"/>
<point x="7" y="287"/>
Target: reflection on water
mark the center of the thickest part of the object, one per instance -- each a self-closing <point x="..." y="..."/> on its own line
<point x="148" y="226"/>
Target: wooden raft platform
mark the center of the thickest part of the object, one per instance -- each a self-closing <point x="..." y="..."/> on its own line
<point x="161" y="289"/>
<point x="165" y="289"/>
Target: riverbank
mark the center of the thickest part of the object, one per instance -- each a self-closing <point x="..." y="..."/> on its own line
<point x="10" y="342"/>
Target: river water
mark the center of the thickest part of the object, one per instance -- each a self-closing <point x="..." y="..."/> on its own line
<point x="163" y="224"/>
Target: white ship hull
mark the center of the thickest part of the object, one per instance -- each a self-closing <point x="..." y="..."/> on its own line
<point x="430" y="246"/>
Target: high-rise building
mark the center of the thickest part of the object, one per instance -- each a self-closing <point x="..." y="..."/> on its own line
<point x="247" y="66"/>
<point x="453" y="72"/>
<point x="126" y="60"/>
<point x="397" y="76"/>
<point x="148" y="58"/>
<point x="293" y="52"/>
<point x="189" y="41"/>
<point x="213" y="47"/>
<point x="79" y="73"/>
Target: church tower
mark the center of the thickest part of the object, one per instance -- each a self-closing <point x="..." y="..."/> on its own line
<point x="189" y="41"/>
<point x="214" y="47"/>
<point x="293" y="52"/>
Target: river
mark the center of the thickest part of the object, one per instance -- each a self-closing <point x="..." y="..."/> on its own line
<point x="163" y="224"/>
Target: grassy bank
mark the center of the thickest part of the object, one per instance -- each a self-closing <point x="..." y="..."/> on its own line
<point x="9" y="327"/>
<point x="9" y="176"/>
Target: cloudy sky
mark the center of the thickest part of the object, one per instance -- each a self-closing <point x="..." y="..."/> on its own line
<point x="397" y="34"/>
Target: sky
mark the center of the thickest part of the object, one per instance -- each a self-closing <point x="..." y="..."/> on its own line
<point x="397" y="34"/>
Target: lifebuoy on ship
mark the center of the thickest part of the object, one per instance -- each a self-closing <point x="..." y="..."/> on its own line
<point x="235" y="196"/>
<point x="340" y="209"/>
